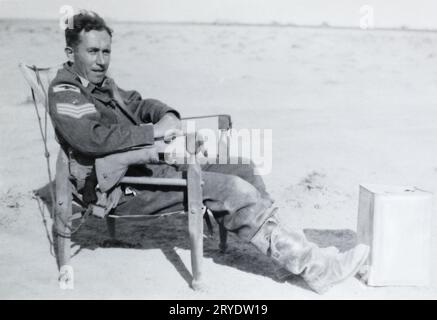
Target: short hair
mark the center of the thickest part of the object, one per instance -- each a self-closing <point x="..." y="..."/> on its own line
<point x="84" y="20"/>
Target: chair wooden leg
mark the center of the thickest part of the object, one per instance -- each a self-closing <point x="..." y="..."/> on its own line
<point x="110" y="223"/>
<point x="223" y="238"/>
<point x="62" y="223"/>
<point x="195" y="223"/>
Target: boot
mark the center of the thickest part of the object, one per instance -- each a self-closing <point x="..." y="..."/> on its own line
<point x="321" y="268"/>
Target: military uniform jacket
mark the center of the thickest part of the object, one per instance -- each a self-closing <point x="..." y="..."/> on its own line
<point x="91" y="120"/>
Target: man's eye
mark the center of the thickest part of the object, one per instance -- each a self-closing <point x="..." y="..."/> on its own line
<point x="107" y="52"/>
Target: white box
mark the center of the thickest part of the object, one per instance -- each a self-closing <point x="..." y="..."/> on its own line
<point x="396" y="223"/>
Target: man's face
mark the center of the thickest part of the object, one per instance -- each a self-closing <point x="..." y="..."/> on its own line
<point x="92" y="55"/>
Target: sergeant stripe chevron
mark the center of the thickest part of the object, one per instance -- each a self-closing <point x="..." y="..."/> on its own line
<point x="75" y="111"/>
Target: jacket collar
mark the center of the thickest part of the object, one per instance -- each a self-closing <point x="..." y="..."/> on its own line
<point x="85" y="83"/>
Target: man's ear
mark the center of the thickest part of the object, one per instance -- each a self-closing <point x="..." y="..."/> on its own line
<point x="69" y="51"/>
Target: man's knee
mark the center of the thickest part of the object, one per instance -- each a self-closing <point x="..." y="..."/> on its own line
<point x="234" y="194"/>
<point x="242" y="188"/>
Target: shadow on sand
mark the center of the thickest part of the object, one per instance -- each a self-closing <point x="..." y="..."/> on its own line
<point x="170" y="232"/>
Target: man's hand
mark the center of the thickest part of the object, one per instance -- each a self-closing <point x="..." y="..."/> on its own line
<point x="172" y="134"/>
<point x="169" y="143"/>
<point x="168" y="127"/>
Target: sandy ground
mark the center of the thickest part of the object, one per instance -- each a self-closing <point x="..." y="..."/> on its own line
<point x="346" y="107"/>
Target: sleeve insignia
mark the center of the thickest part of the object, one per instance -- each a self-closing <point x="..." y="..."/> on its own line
<point x="74" y="110"/>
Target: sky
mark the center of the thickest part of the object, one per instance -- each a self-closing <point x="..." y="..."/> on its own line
<point x="415" y="14"/>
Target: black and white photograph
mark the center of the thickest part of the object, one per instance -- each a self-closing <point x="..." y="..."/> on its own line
<point x="218" y="150"/>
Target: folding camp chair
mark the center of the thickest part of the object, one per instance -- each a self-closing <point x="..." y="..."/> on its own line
<point x="39" y="79"/>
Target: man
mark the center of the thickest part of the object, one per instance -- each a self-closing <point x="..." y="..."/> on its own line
<point x="94" y="118"/>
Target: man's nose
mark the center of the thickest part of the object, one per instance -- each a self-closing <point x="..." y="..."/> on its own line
<point x="100" y="60"/>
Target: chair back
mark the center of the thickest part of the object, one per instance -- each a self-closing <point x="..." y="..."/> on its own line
<point x="39" y="80"/>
